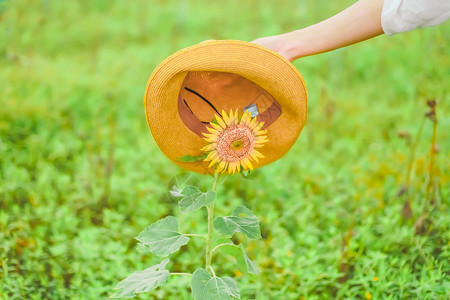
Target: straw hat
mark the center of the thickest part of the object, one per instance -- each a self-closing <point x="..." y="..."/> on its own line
<point x="188" y="89"/>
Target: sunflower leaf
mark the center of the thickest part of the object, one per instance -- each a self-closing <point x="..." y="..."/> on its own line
<point x="142" y="281"/>
<point x="246" y="173"/>
<point x="190" y="158"/>
<point x="205" y="287"/>
<point x="251" y="267"/>
<point x="241" y="220"/>
<point x="176" y="192"/>
<point x="194" y="198"/>
<point x="161" y="238"/>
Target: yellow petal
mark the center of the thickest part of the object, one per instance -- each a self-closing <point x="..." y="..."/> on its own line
<point x="221" y="165"/>
<point x="235" y="166"/>
<point x="214" y="161"/>
<point x="211" y="155"/>
<point x="211" y="140"/>
<point x="257" y="153"/>
<point x="238" y="167"/>
<point x="225" y="118"/>
<point x="253" y="123"/>
<point x="236" y="117"/>
<point x="255" y="158"/>
<point x="245" y="118"/>
<point x="220" y="121"/>
<point x="257" y="128"/>
<point x="213" y="131"/>
<point x="208" y="135"/>
<point x="231" y="167"/>
<point x="261" y="132"/>
<point x="217" y="127"/>
<point x="231" y="120"/>
<point x="260" y="143"/>
<point x="260" y="137"/>
<point x="248" y="163"/>
<point x="226" y="167"/>
<point x="209" y="147"/>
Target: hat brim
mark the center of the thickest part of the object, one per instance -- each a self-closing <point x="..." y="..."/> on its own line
<point x="262" y="66"/>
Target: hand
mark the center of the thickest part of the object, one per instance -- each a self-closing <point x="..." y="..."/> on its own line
<point x="276" y="43"/>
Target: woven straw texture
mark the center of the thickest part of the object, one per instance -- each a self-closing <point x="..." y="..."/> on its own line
<point x="264" y="67"/>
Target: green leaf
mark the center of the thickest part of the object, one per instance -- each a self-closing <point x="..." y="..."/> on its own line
<point x="246" y="173"/>
<point x="251" y="267"/>
<point x="190" y="158"/>
<point x="205" y="287"/>
<point x="142" y="281"/>
<point x="161" y="238"/>
<point x="194" y="198"/>
<point x="241" y="220"/>
<point x="250" y="174"/>
<point x="179" y="182"/>
<point x="176" y="192"/>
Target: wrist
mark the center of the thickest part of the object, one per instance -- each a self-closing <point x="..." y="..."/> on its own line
<point x="295" y="44"/>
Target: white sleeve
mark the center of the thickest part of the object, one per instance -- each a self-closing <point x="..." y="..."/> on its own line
<point x="404" y="15"/>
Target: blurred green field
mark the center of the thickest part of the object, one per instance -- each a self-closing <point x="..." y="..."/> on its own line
<point x="80" y="174"/>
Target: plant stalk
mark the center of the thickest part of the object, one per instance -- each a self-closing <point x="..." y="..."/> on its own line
<point x="193" y="234"/>
<point x="224" y="244"/>
<point x="412" y="154"/>
<point x="210" y="209"/>
<point x="407" y="212"/>
<point x="431" y="185"/>
<point x="182" y="274"/>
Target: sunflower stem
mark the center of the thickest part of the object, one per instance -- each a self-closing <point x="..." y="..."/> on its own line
<point x="210" y="209"/>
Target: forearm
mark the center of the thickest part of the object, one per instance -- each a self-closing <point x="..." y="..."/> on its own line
<point x="357" y="23"/>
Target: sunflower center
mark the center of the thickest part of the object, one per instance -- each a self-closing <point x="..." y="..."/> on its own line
<point x="237" y="145"/>
<point x="235" y="142"/>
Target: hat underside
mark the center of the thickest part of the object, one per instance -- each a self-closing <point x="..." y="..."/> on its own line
<point x="204" y="94"/>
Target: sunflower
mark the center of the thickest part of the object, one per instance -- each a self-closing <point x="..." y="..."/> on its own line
<point x="233" y="141"/>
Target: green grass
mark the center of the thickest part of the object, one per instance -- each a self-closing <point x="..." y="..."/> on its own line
<point x="81" y="175"/>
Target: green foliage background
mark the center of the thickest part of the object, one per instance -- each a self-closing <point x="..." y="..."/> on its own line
<point x="81" y="175"/>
